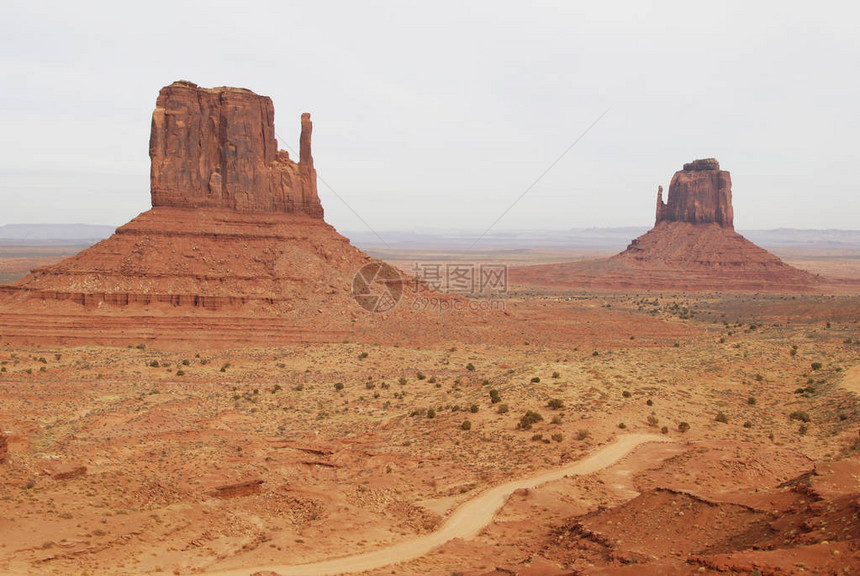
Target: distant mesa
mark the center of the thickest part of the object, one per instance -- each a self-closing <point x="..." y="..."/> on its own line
<point x="692" y="246"/>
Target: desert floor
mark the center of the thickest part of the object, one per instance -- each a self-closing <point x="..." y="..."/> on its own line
<point x="135" y="459"/>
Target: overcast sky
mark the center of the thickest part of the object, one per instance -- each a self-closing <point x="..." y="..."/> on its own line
<point x="439" y="115"/>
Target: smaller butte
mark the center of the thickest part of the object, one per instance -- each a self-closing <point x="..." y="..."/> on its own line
<point x="692" y="246"/>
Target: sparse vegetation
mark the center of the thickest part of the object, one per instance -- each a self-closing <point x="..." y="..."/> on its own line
<point x="800" y="415"/>
<point x="529" y="419"/>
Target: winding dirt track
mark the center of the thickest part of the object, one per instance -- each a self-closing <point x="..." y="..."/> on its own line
<point x="465" y="522"/>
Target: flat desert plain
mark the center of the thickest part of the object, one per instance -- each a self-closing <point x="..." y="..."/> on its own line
<point x="614" y="434"/>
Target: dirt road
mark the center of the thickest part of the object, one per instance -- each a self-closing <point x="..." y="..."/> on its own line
<point x="465" y="522"/>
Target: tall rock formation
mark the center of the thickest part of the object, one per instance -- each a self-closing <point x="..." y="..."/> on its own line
<point x="701" y="193"/>
<point x="693" y="246"/>
<point x="216" y="148"/>
<point x="234" y="221"/>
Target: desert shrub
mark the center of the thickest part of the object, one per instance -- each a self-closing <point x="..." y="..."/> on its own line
<point x="582" y="434"/>
<point x="747" y="424"/>
<point x="537" y="437"/>
<point x="626" y="394"/>
<point x="186" y="362"/>
<point x="751" y="401"/>
<point x="420" y="376"/>
<point x="683" y="426"/>
<point x="557" y="437"/>
<point x="299" y="387"/>
<point x="528" y="419"/>
<point x="502" y="409"/>
<point x="664" y="430"/>
<point x="556" y="419"/>
<point x="816" y="365"/>
<point x="338" y="386"/>
<point x="402" y="381"/>
<point x="153" y="364"/>
<point x="803" y="429"/>
<point x="622" y="425"/>
<point x="649" y="402"/>
<point x="721" y="417"/>
<point x="473" y="408"/>
<point x="495" y="397"/>
<point x="225" y="366"/>
<point x="555" y="374"/>
<point x="369" y="385"/>
<point x="276" y="388"/>
<point x="470" y="367"/>
<point x="653" y="420"/>
<point x="793" y="351"/>
<point x="180" y="373"/>
<point x="555" y="404"/>
<point x="431" y="413"/>
<point x="432" y="380"/>
<point x="385" y="385"/>
<point x="800" y="415"/>
<point x="595" y="353"/>
<point x="466" y="425"/>
<point x="363" y="355"/>
<point x="535" y="380"/>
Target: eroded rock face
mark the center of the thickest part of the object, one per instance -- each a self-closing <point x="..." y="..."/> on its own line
<point x="701" y="193"/>
<point x="216" y="148"/>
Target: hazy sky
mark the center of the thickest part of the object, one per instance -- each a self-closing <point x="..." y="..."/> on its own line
<point x="438" y="115"/>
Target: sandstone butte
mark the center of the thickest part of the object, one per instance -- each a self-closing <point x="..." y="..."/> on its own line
<point x="692" y="246"/>
<point x="234" y="249"/>
<point x="234" y="220"/>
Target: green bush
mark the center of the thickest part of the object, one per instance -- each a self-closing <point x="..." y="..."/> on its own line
<point x="466" y="425"/>
<point x="431" y="413"/>
<point x="338" y="386"/>
<point x="683" y="426"/>
<point x="470" y="367"/>
<point x="721" y="417"/>
<point x="473" y="408"/>
<point x="502" y="409"/>
<point x="626" y="394"/>
<point x="555" y="404"/>
<point x="495" y="397"/>
<point x="528" y="419"/>
<point x="800" y="415"/>
<point x="535" y="380"/>
<point x="816" y="365"/>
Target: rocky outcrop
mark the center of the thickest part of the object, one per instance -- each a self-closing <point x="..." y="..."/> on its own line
<point x="693" y="246"/>
<point x="238" y="489"/>
<point x="216" y="148"/>
<point x="701" y="193"/>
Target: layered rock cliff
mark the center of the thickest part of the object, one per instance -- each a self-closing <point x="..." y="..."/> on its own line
<point x="216" y="148"/>
<point x="701" y="193"/>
